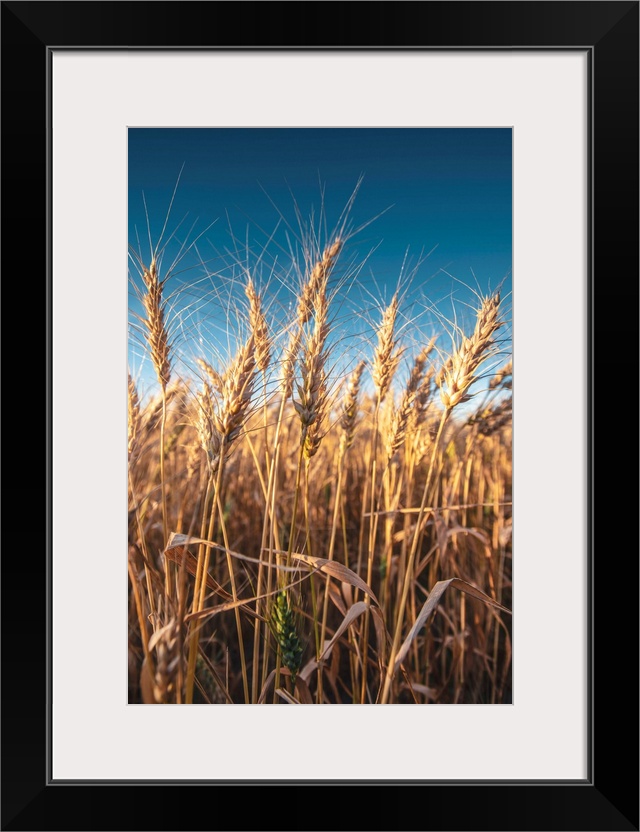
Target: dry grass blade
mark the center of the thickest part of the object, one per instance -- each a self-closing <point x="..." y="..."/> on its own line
<point x="382" y="636"/>
<point x="337" y="570"/>
<point x="178" y="541"/>
<point x="354" y="612"/>
<point x="309" y="668"/>
<point x="242" y="602"/>
<point x="209" y="612"/>
<point x="430" y="606"/>
<point x="335" y="596"/>
<point x="288" y="698"/>
<point x="179" y="553"/>
<point x="429" y="693"/>
<point x="146" y="684"/>
<point x="357" y="609"/>
<point x="332" y="568"/>
<point x="302" y="689"/>
<point x="265" y="688"/>
<point x="205" y="662"/>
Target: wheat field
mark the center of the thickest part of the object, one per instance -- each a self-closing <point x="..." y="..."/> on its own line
<point x="316" y="517"/>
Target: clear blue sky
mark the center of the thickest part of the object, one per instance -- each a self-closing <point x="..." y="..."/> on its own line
<point x="447" y="191"/>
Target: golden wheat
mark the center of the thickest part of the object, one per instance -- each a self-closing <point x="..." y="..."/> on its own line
<point x="336" y="610"/>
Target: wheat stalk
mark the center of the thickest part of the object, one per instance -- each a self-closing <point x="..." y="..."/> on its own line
<point x="312" y="390"/>
<point x="385" y="356"/>
<point x="458" y="372"/>
<point x="259" y="328"/>
<point x="168" y="658"/>
<point x="221" y="417"/>
<point x="348" y="418"/>
<point x="133" y="417"/>
<point x="385" y="363"/>
<point x="400" y="418"/>
<point x="157" y="336"/>
<point x="349" y="408"/>
<point x="158" y="341"/>
<point x="215" y="379"/>
<point x="307" y="302"/>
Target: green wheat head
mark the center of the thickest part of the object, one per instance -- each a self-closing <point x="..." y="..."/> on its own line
<point x="284" y="628"/>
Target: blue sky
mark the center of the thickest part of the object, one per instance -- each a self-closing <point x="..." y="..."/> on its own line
<point x="445" y="193"/>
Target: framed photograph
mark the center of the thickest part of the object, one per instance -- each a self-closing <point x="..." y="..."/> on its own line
<point x="528" y="113"/>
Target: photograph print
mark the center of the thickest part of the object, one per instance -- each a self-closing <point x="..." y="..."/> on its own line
<point x="320" y="373"/>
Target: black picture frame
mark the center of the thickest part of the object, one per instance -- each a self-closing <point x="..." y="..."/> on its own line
<point x="608" y="798"/>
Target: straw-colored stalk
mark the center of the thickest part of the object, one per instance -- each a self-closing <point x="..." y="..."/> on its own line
<point x="348" y="421"/>
<point x="311" y="402"/>
<point x="386" y="356"/>
<point x="134" y="430"/>
<point x="219" y="426"/>
<point x="318" y="273"/>
<point x="311" y="407"/>
<point x="263" y="342"/>
<point x="154" y="306"/>
<point x="401" y="416"/>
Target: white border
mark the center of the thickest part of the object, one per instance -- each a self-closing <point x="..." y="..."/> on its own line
<point x="96" y="95"/>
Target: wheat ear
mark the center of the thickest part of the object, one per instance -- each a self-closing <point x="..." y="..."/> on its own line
<point x="502" y="378"/>
<point x="133" y="417"/>
<point x="157" y="336"/>
<point x="158" y="340"/>
<point x="259" y="328"/>
<point x="385" y="355"/>
<point x="401" y="414"/>
<point x="459" y="371"/>
<point x="307" y="302"/>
